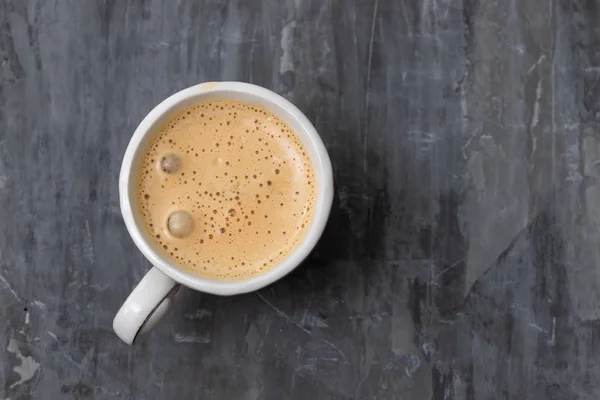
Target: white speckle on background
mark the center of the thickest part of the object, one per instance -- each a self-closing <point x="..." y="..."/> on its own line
<point x="413" y="364"/>
<point x="199" y="314"/>
<point x="286" y="62"/>
<point x="28" y="366"/>
<point x="428" y="349"/>
<point x="191" y="339"/>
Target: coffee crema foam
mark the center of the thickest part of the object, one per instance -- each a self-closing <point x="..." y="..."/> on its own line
<point x="226" y="190"/>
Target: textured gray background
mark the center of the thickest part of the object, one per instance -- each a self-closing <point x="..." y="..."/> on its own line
<point x="462" y="256"/>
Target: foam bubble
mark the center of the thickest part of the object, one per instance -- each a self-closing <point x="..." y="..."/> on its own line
<point x="170" y="163"/>
<point x="180" y="224"/>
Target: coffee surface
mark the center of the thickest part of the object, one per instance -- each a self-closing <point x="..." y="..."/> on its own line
<point x="226" y="190"/>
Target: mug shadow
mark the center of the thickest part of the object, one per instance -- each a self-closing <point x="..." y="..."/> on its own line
<point x="346" y="239"/>
<point x="353" y="233"/>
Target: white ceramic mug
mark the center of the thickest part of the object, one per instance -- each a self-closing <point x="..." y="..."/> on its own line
<point x="153" y="296"/>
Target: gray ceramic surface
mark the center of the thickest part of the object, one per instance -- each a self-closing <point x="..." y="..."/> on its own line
<point x="462" y="258"/>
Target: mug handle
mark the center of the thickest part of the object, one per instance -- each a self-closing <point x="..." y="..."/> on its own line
<point x="146" y="305"/>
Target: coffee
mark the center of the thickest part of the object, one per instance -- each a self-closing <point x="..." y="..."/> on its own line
<point x="226" y="189"/>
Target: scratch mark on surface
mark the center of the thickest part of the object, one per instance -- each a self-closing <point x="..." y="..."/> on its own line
<point x="98" y="287"/>
<point x="306" y="309"/>
<point x="519" y="49"/>
<point x="590" y="90"/>
<point x="310" y="368"/>
<point x="52" y="335"/>
<point x="533" y="150"/>
<point x="9" y="288"/>
<point x="475" y="165"/>
<point x="88" y="249"/>
<point x="39" y="304"/>
<point x="314" y="321"/>
<point x="405" y="15"/>
<point x="191" y="339"/>
<point x="330" y="359"/>
<point x="534" y="66"/>
<point x="28" y="366"/>
<point x="367" y="93"/>
<point x="157" y="45"/>
<point x="456" y="382"/>
<point x="535" y="119"/>
<point x="426" y="5"/>
<point x="283" y="315"/>
<point x="553" y="83"/>
<point x="298" y="351"/>
<point x="552" y="340"/>
<point x="538" y="328"/>
<point x="455" y="264"/>
<point x="69" y="358"/>
<point x="334" y="347"/>
<point x="297" y="324"/>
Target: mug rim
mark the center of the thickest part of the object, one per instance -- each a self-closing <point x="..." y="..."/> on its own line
<point x="324" y="198"/>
